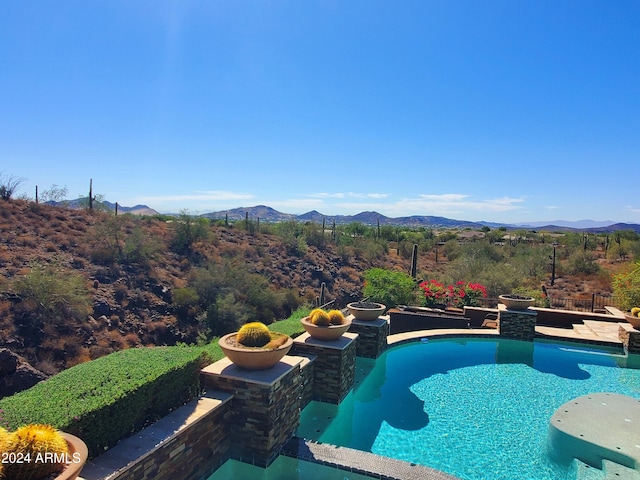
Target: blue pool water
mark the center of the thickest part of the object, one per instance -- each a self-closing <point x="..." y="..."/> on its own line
<point x="476" y="408"/>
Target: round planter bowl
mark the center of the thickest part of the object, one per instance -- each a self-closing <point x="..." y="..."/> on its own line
<point x="77" y="454"/>
<point x="252" y="358"/>
<point x="330" y="332"/>
<point x="633" y="320"/>
<point x="366" y="310"/>
<point x="517" y="303"/>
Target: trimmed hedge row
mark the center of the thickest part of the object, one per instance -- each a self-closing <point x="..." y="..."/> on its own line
<point x="110" y="398"/>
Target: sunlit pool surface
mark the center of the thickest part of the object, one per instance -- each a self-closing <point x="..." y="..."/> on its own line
<point x="475" y="408"/>
<point x="283" y="468"/>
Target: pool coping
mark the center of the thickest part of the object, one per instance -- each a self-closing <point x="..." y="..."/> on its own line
<point x="550" y="333"/>
<point x="360" y="462"/>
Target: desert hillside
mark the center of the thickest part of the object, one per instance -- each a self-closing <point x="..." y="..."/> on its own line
<point x="132" y="272"/>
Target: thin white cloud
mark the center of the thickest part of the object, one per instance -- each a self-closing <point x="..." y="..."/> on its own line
<point x="368" y="195"/>
<point x="454" y="204"/>
<point x="326" y="195"/>
<point x="347" y="195"/>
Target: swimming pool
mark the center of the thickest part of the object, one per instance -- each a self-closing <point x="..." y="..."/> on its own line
<point x="476" y="408"/>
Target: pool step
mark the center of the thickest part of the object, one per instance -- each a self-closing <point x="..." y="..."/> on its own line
<point x="586" y="472"/>
<point x="615" y="471"/>
<point x="610" y="471"/>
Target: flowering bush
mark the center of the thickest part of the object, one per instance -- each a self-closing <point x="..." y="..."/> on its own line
<point x="459" y="295"/>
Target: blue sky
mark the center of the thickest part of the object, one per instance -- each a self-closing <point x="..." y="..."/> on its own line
<point x="505" y="111"/>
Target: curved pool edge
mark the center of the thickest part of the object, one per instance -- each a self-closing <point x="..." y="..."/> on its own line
<point x="406" y="337"/>
<point x="542" y="333"/>
<point x="361" y="462"/>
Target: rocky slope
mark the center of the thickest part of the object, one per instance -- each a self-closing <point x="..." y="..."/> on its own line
<point x="131" y="303"/>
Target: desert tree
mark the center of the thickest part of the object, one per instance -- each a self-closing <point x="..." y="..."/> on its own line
<point x="54" y="194"/>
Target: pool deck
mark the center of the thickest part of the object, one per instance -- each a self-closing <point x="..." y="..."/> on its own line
<point x="590" y="332"/>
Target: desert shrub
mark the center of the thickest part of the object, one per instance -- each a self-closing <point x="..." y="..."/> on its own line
<point x="228" y="295"/>
<point x="139" y="248"/>
<point x="186" y="301"/>
<point x="389" y="287"/>
<point x="581" y="262"/>
<point x="405" y="249"/>
<point x="50" y="293"/>
<point x="375" y="249"/>
<point x="8" y="185"/>
<point x="187" y="231"/>
<point x="626" y="288"/>
<point x="314" y="235"/>
<point x="499" y="279"/>
<point x="451" y="249"/>
<point x="225" y="315"/>
<point x="467" y="267"/>
<point x="530" y="262"/>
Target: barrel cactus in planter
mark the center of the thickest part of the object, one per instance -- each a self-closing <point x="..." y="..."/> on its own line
<point x="254" y="334"/>
<point x="255" y="347"/>
<point x="324" y="325"/>
<point x="38" y="452"/>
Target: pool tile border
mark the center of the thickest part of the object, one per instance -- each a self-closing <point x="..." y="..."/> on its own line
<point x="360" y="462"/>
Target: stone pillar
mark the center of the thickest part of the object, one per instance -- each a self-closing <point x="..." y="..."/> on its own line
<point x="517" y="324"/>
<point x="372" y="336"/>
<point x="334" y="365"/>
<point x="265" y="409"/>
<point x="630" y="337"/>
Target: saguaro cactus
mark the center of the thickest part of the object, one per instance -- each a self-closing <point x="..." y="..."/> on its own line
<point x="414" y="261"/>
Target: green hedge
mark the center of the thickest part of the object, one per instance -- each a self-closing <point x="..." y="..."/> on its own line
<point x="110" y="398"/>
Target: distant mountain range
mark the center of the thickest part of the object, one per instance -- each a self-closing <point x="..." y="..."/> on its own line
<point x="84" y="202"/>
<point x="268" y="214"/>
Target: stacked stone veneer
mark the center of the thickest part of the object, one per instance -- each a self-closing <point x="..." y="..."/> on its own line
<point x="265" y="408"/>
<point x="181" y="447"/>
<point x="372" y="336"/>
<point x="630" y="337"/>
<point x="193" y="454"/>
<point x="307" y="374"/>
<point x="517" y="324"/>
<point x="333" y="365"/>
